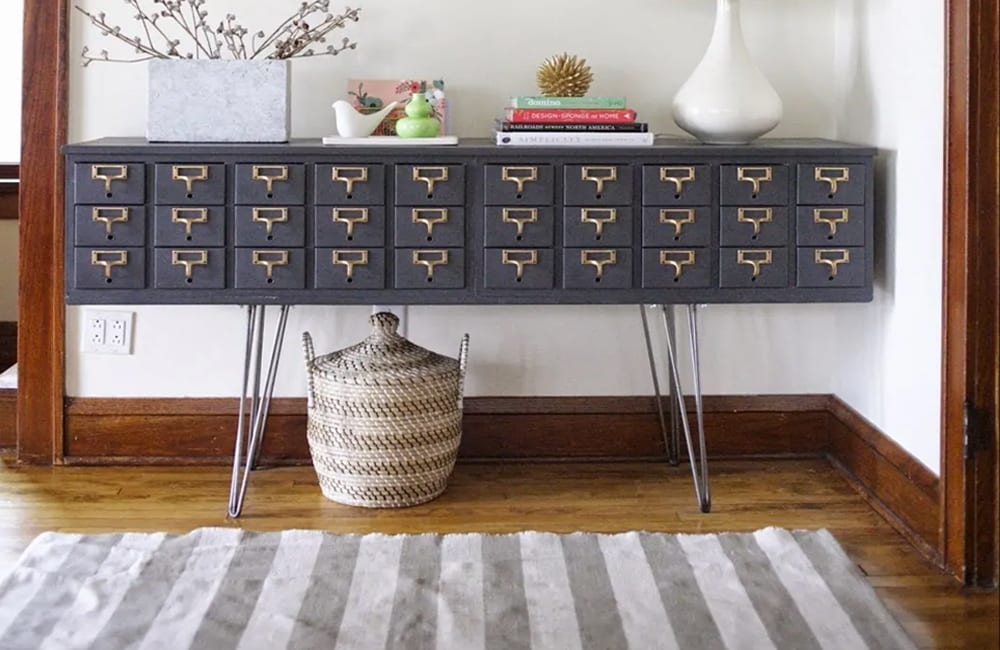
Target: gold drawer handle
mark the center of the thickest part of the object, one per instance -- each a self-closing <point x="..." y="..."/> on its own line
<point x="832" y="257"/>
<point x="190" y="174"/>
<point x="277" y="215"/>
<point x="269" y="174"/>
<point x="520" y="259"/>
<point x="105" y="173"/>
<point x="747" y="215"/>
<point x="350" y="259"/>
<point x="603" y="216"/>
<point x="519" y="217"/>
<point x="599" y="259"/>
<point x="840" y="215"/>
<point x="342" y="215"/>
<point x="531" y="174"/>
<point x="177" y="215"/>
<point x="189" y="260"/>
<point x="439" y="257"/>
<point x="269" y="260"/>
<point x="834" y="176"/>
<point x="683" y="258"/>
<point x="437" y="215"/>
<point x="338" y="175"/>
<point x="599" y="175"/>
<point x="756" y="259"/>
<point x="109" y="260"/>
<point x="109" y="217"/>
<point x="687" y="216"/>
<point x="423" y="174"/>
<point x="763" y="175"/>
<point x="686" y="174"/>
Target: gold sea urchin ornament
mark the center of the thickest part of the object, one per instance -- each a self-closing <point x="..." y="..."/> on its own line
<point x="564" y="75"/>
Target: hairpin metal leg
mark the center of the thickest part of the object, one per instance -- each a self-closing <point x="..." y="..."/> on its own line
<point x="669" y="441"/>
<point x="701" y="487"/>
<point x="246" y="454"/>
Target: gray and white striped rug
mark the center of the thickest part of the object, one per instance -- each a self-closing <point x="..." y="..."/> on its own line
<point x="221" y="588"/>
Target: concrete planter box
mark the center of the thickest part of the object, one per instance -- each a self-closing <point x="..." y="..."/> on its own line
<point x="218" y="101"/>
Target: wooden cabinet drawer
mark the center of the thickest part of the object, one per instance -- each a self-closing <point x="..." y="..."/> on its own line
<point x="120" y="183"/>
<point x="522" y="184"/>
<point x="753" y="267"/>
<point x="753" y="226"/>
<point x="349" y="268"/>
<point x="833" y="226"/>
<point x="189" y="226"/>
<point x="430" y="184"/>
<point x="684" y="227"/>
<point x="665" y="268"/>
<point x="270" y="268"/>
<point x="519" y="268"/>
<point x="354" y="184"/>
<point x="676" y="185"/>
<point x="189" y="268"/>
<point x="430" y="268"/>
<point x="597" y="226"/>
<point x="109" y="225"/>
<point x="271" y="184"/>
<point x="825" y="184"/>
<point x="109" y="268"/>
<point x="349" y="226"/>
<point x="753" y="184"/>
<point x="831" y="267"/>
<point x="198" y="184"/>
<point x="270" y="226"/>
<point x="435" y="227"/>
<point x="597" y="268"/>
<point x="597" y="184"/>
<point x="518" y="226"/>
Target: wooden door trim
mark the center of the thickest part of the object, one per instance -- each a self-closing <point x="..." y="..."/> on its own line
<point x="44" y="110"/>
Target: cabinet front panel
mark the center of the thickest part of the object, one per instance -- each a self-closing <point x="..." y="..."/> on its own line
<point x="676" y="184"/>
<point x="831" y="183"/>
<point x="518" y="226"/>
<point x="110" y="225"/>
<point x="430" y="226"/>
<point x="270" y="268"/>
<point x="109" y="268"/>
<point x="270" y="226"/>
<point x="754" y="184"/>
<point x="831" y="267"/>
<point x="682" y="227"/>
<point x="680" y="268"/>
<point x="593" y="226"/>
<point x="349" y="268"/>
<point x="753" y="267"/>
<point x="753" y="226"/>
<point x="430" y="268"/>
<point x="194" y="184"/>
<point x="189" y="268"/>
<point x="430" y="184"/>
<point x="349" y="226"/>
<point x="830" y="226"/>
<point x="118" y="182"/>
<point x="597" y="184"/>
<point x="271" y="184"/>
<point x="189" y="226"/>
<point x="519" y="184"/>
<point x="597" y="268"/>
<point x="349" y="184"/>
<point x="519" y="268"/>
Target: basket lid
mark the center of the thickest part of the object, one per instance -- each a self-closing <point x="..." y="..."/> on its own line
<point x="383" y="357"/>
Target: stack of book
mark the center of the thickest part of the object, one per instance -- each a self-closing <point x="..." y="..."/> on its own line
<point x="571" y="121"/>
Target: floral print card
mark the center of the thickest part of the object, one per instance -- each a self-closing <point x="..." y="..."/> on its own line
<point x="370" y="95"/>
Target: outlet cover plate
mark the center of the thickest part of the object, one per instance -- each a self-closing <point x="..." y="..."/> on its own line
<point x="107" y="332"/>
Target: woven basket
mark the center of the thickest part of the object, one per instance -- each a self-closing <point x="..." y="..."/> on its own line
<point x="385" y="418"/>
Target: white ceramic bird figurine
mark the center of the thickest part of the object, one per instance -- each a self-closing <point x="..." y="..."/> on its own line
<point x="352" y="124"/>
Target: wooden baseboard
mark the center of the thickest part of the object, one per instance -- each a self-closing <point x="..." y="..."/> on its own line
<point x="8" y="420"/>
<point x="8" y="345"/>
<point x="896" y="484"/>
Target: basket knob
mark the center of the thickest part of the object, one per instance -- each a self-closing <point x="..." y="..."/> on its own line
<point x="384" y="324"/>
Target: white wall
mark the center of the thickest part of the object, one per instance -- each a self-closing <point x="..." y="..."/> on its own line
<point x="10" y="144"/>
<point x="485" y="55"/>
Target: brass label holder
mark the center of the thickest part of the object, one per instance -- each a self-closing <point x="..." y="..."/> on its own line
<point x="350" y="217"/>
<point x="189" y="260"/>
<point x="437" y="215"/>
<point x="519" y="217"/>
<point x="178" y="215"/>
<point x="189" y="174"/>
<point x="109" y="260"/>
<point x="269" y="174"/>
<point x="755" y="259"/>
<point x="677" y="222"/>
<point x="350" y="259"/>
<point x="599" y="176"/>
<point x="520" y="259"/>
<point x="832" y="257"/>
<point x="109" y="217"/>
<point x="105" y="173"/>
<point x="840" y="215"/>
<point x="269" y="217"/>
<point x="833" y="176"/>
<point x="755" y="176"/>
<point x="599" y="259"/>
<point x="420" y="258"/>
<point x="339" y="175"/>
<point x="755" y="217"/>
<point x="684" y="175"/>
<point x="603" y="216"/>
<point x="530" y="175"/>
<point x="424" y="174"/>
<point x="678" y="260"/>
<point x="269" y="260"/>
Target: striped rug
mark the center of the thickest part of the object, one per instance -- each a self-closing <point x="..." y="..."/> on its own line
<point x="221" y="588"/>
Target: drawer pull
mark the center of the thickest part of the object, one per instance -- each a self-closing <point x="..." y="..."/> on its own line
<point x="599" y="175"/>
<point x="109" y="260"/>
<point x="678" y="260"/>
<point x="834" y="176"/>
<point x="269" y="217"/>
<point x="342" y="215"/>
<point x="350" y="259"/>
<point x="666" y="217"/>
<point x="181" y="215"/>
<point x="189" y="260"/>
<point x="755" y="259"/>
<point x="430" y="259"/>
<point x="599" y="259"/>
<point x="269" y="260"/>
<point x="109" y="217"/>
<point x="105" y="173"/>
<point x="519" y="217"/>
<point x="520" y="259"/>
<point x="530" y="174"/>
<point x="269" y="174"/>
<point x="424" y="174"/>
<point x="832" y="257"/>
<point x="839" y="215"/>
<point x="190" y="174"/>
<point x="602" y="216"/>
<point x="338" y="175"/>
<point x="437" y="215"/>
<point x="683" y="175"/>
<point x="755" y="176"/>
<point x="755" y="216"/>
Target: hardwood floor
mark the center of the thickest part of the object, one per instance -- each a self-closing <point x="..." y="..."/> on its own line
<point x="496" y="497"/>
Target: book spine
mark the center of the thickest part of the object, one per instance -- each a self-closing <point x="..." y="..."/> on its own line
<point x="571" y="116"/>
<point x="630" y="127"/>
<point x="529" y="101"/>
<point x="574" y="139"/>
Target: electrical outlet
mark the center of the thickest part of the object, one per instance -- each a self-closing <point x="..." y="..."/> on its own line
<point x="398" y="310"/>
<point x="107" y="332"/>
